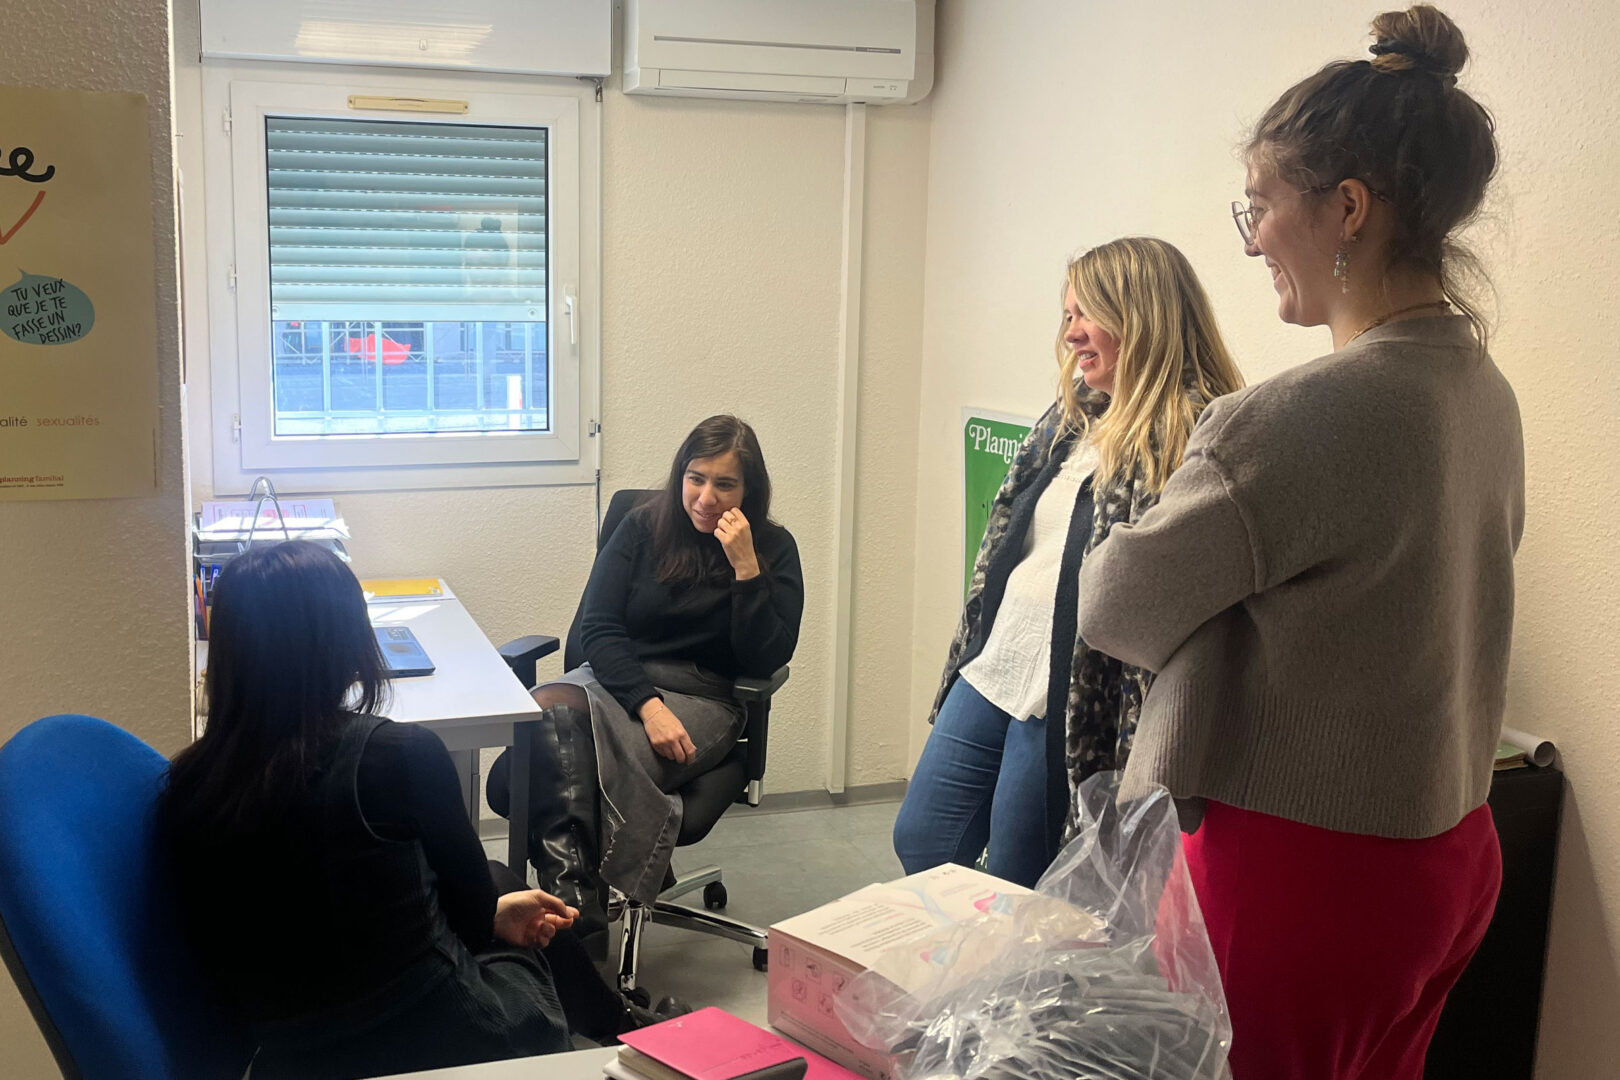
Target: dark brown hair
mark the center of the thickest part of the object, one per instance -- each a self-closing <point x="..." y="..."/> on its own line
<point x="290" y="654"/>
<point x="1400" y="124"/>
<point x="684" y="554"/>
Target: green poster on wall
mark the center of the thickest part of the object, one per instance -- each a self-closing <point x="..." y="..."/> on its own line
<point x="990" y="441"/>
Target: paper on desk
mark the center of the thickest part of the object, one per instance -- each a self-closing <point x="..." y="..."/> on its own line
<point x="402" y="588"/>
<point x="214" y="510"/>
<point x="241" y="526"/>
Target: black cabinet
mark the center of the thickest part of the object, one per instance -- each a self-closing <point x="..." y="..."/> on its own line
<point x="1488" y="1028"/>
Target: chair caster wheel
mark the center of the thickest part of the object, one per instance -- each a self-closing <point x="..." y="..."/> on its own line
<point x="714" y="895"/>
<point x="762" y="958"/>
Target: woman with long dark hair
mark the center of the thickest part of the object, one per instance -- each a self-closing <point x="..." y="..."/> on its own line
<point x="336" y="892"/>
<point x="694" y="589"/>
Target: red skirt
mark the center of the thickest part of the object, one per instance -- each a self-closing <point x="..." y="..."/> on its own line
<point x="1336" y="950"/>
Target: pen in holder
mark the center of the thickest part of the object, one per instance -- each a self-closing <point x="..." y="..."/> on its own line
<point x="202" y="587"/>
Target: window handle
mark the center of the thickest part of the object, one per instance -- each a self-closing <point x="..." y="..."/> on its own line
<point x="568" y="301"/>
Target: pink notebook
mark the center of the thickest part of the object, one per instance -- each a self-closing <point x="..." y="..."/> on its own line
<point x="711" y="1044"/>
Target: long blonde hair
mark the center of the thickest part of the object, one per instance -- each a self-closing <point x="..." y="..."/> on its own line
<point x="1172" y="361"/>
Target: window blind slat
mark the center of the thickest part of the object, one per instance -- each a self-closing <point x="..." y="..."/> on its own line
<point x="444" y="221"/>
<point x="313" y="127"/>
<point x="323" y="163"/>
<point x="450" y="260"/>
<point x="493" y="191"/>
<point x="522" y="280"/>
<point x="290" y="237"/>
<point x="467" y="144"/>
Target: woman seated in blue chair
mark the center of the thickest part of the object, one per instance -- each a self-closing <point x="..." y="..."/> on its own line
<point x="694" y="589"/>
<point x="336" y="891"/>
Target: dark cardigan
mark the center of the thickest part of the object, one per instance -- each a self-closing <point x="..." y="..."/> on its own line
<point x="1006" y="554"/>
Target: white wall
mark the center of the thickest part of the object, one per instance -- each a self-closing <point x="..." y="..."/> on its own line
<point x="721" y="254"/>
<point x="1057" y="126"/>
<point x="93" y="592"/>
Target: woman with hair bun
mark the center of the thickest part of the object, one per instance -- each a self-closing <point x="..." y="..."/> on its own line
<point x="1325" y="589"/>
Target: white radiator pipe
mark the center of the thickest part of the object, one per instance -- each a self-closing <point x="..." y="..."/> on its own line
<point x="849" y="379"/>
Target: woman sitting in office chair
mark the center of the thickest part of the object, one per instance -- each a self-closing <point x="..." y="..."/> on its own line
<point x="694" y="589"/>
<point x="337" y="894"/>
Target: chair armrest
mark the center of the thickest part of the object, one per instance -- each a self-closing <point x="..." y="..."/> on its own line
<point x="752" y="690"/>
<point x="522" y="655"/>
<point x="755" y="697"/>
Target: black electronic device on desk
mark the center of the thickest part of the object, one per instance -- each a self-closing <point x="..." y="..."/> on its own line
<point x="402" y="652"/>
<point x="1488" y="1027"/>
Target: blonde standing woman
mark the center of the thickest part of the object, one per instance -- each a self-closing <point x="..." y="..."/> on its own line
<point x="1026" y="708"/>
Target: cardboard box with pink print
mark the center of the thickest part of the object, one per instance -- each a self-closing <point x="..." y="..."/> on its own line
<point x="815" y="955"/>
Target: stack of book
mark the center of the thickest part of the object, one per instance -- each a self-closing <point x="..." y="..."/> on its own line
<point x="711" y="1044"/>
<point x="1509" y="756"/>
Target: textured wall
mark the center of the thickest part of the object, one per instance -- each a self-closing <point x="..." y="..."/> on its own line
<point x="721" y="247"/>
<point x="721" y="292"/>
<point x="93" y="591"/>
<point x="1057" y="126"/>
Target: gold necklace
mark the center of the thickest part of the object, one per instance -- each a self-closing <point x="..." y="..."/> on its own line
<point x="1382" y="319"/>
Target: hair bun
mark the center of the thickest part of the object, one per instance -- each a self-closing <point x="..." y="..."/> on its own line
<point x="1422" y="38"/>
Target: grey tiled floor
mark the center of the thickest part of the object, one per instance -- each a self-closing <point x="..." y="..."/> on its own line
<point x="776" y="864"/>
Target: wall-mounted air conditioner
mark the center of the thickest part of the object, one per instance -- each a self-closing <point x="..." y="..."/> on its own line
<point x="825" y="51"/>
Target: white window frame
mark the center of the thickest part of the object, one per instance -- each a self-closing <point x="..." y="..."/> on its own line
<point x="236" y="99"/>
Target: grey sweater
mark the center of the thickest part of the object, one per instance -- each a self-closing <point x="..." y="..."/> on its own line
<point x="1326" y="590"/>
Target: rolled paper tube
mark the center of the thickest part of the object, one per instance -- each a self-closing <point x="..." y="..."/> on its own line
<point x="1537" y="751"/>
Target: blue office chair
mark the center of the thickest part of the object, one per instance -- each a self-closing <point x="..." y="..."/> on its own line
<point x="87" y="915"/>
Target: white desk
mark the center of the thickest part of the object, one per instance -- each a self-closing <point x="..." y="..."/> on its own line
<point x="576" y="1065"/>
<point x="470" y="701"/>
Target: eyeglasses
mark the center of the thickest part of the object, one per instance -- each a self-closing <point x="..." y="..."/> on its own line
<point x="1247" y="216"/>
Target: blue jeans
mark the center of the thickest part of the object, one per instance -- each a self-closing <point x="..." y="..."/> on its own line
<point x="982" y="777"/>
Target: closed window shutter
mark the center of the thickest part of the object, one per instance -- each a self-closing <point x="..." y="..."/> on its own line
<point x="382" y="219"/>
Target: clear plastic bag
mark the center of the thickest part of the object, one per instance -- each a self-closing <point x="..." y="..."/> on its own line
<point x="1104" y="972"/>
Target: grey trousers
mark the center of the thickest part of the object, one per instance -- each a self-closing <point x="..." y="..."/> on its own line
<point x="641" y="812"/>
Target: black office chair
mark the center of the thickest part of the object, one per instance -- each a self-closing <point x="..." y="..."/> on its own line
<point x="737" y="779"/>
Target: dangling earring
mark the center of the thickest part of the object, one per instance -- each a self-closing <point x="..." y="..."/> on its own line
<point x="1341" y="264"/>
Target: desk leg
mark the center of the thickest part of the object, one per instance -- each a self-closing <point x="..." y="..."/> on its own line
<point x="467" y="776"/>
<point x="517" y="854"/>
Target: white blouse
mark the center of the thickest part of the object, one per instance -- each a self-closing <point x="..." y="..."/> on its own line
<point x="1013" y="669"/>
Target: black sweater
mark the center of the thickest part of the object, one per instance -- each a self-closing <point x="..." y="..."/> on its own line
<point x="732" y="628"/>
<point x="270" y="884"/>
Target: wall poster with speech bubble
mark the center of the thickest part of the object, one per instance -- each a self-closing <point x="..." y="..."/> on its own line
<point x="990" y="441"/>
<point x="78" y="342"/>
